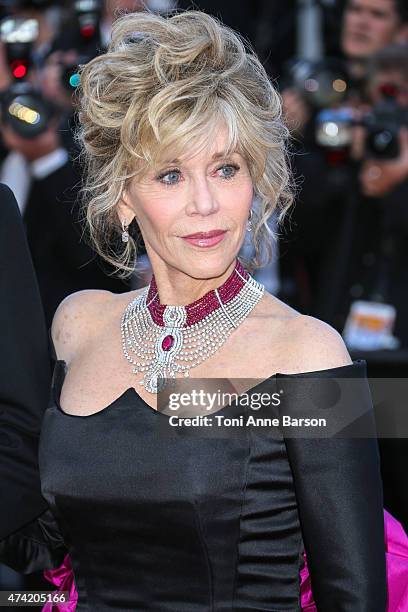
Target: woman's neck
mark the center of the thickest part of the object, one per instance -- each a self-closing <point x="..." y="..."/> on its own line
<point x="179" y="289"/>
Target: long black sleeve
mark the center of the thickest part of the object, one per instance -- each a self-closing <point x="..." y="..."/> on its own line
<point x="338" y="488"/>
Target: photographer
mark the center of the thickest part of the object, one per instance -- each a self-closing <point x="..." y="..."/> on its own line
<point x="45" y="179"/>
<point x="379" y="254"/>
<point x="328" y="176"/>
<point x="353" y="203"/>
<point x="388" y="67"/>
<point x="367" y="26"/>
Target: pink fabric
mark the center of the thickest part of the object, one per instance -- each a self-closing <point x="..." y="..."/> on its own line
<point x="396" y="555"/>
<point x="63" y="578"/>
<point x="396" y="558"/>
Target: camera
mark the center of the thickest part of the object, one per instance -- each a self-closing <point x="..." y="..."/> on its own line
<point x="383" y="124"/>
<point x="325" y="85"/>
<point x="25" y="110"/>
<point x="88" y="15"/>
<point x="87" y="21"/>
<point x="333" y="127"/>
<point x="23" y="107"/>
<point x="18" y="36"/>
<point x="322" y="83"/>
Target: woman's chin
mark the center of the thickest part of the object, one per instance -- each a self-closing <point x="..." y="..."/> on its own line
<point x="207" y="265"/>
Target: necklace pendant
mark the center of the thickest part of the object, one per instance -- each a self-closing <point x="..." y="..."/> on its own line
<point x="167" y="342"/>
<point x="154" y="380"/>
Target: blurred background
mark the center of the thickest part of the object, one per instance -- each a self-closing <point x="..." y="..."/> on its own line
<point x="341" y="67"/>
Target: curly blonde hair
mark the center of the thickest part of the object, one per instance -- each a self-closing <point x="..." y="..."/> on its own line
<point x="163" y="84"/>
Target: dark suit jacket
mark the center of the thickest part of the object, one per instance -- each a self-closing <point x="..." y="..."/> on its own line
<point x="64" y="262"/>
<point x="25" y="375"/>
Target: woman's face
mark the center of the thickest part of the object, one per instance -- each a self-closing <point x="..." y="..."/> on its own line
<point x="198" y="193"/>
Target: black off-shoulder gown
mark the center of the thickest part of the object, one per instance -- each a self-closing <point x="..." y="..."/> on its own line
<point x="194" y="523"/>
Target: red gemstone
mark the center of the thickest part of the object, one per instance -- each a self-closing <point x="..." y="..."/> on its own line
<point x="167" y="343"/>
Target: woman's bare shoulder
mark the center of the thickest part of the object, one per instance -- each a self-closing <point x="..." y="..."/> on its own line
<point x="81" y="315"/>
<point x="307" y="343"/>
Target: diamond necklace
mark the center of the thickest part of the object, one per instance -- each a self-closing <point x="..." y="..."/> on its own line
<point x="165" y="340"/>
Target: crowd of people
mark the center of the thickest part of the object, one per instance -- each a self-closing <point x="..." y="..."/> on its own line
<point x="352" y="198"/>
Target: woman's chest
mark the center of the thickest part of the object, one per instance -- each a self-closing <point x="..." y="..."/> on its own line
<point x="129" y="451"/>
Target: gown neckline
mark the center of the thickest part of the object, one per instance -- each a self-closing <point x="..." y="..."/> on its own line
<point x="131" y="391"/>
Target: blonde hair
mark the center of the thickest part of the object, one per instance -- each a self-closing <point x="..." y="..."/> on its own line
<point x="164" y="83"/>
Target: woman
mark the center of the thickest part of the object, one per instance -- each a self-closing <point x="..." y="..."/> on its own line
<point x="180" y="128"/>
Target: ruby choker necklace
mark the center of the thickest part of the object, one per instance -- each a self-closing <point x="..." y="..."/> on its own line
<point x="163" y="340"/>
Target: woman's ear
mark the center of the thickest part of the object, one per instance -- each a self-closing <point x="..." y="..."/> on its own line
<point x="125" y="211"/>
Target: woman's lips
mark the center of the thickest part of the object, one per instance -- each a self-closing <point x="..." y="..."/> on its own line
<point x="206" y="242"/>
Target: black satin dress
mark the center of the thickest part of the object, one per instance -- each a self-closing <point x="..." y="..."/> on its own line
<point x="186" y="522"/>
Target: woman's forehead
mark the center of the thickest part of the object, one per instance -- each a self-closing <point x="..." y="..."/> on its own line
<point x="214" y="146"/>
<point x="204" y="155"/>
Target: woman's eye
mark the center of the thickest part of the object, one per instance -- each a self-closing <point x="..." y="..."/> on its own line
<point x="230" y="167"/>
<point x="169" y="173"/>
<point x="170" y="177"/>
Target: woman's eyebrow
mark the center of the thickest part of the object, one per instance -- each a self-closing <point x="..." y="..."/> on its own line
<point x="217" y="155"/>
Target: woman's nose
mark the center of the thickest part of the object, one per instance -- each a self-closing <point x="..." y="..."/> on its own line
<point x="203" y="200"/>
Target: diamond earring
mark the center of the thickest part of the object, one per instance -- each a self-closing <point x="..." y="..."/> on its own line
<point x="249" y="222"/>
<point x="125" y="233"/>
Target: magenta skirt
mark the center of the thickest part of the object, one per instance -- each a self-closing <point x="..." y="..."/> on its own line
<point x="396" y="555"/>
